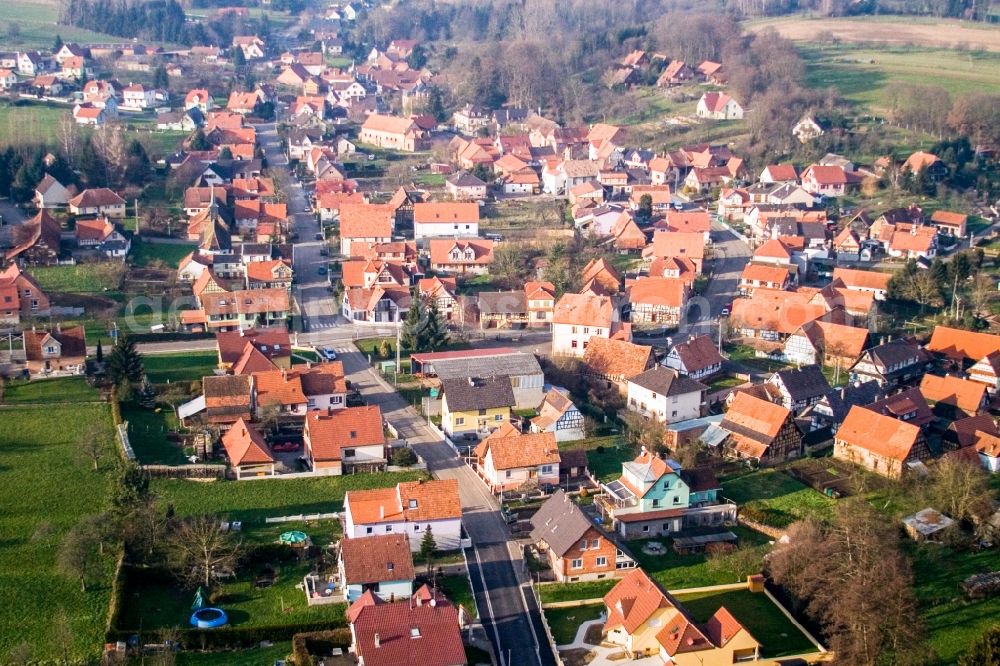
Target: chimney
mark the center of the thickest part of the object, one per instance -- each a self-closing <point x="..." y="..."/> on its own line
<point x="381" y="511"/>
<point x="378" y="640"/>
<point x="434" y="601"/>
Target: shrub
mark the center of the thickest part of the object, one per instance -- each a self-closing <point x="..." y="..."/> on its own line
<point x="319" y="641"/>
<point x="404" y="457"/>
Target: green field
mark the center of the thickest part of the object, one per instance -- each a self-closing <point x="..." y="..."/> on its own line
<point x="765" y="621"/>
<point x="252" y="501"/>
<point x="29" y="123"/>
<point x="168" y="255"/>
<point x="38" y="28"/>
<point x="44" y="391"/>
<point x="564" y="622"/>
<point x="79" y="279"/>
<point x="44" y="490"/>
<point x="180" y="366"/>
<point x="458" y="590"/>
<point x="862" y="73"/>
<point x="775" y="498"/>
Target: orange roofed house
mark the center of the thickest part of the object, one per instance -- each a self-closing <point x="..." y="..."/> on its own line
<point x="616" y="361"/>
<point x="575" y="547"/>
<point x="248" y="452"/>
<point x="880" y="443"/>
<point x="953" y="396"/>
<point x="761" y="430"/>
<point x="362" y="223"/>
<point x="461" y="256"/>
<point x="507" y="460"/>
<point x="20" y="296"/>
<point x="412" y="508"/>
<point x="657" y="301"/>
<point x="445" y="220"/>
<point x="579" y="317"/>
<point x="393" y="133"/>
<point x="345" y="441"/>
<point x="646" y="621"/>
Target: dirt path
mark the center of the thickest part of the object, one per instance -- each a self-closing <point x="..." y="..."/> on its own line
<point x="923" y="32"/>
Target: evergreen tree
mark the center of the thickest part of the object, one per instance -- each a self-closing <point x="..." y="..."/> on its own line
<point x="428" y="546"/>
<point x="437" y="331"/>
<point x="226" y="153"/>
<point x="137" y="166"/>
<point x="435" y="104"/>
<point x="58" y="44"/>
<point x="125" y="362"/>
<point x="199" y="142"/>
<point x="160" y="77"/>
<point x="100" y="351"/>
<point x="412" y="336"/>
<point x="645" y="211"/>
<point x="239" y="59"/>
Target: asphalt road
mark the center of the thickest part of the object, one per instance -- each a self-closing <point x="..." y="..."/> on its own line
<point x="505" y="602"/>
<point x="315" y="304"/>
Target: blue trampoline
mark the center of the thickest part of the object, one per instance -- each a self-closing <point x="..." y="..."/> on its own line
<point x="208" y="618"/>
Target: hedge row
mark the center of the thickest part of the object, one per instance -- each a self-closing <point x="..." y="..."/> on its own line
<point x="326" y="639"/>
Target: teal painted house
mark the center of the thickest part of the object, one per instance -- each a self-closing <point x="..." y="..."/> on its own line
<point x="656" y="497"/>
<point x="382" y="564"/>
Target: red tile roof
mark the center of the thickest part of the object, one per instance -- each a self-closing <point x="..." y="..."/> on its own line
<point x="329" y="432"/>
<point x="413" y="631"/>
<point x="962" y="345"/>
<point x="245" y="445"/>
<point x="964" y="394"/>
<point x="882" y="435"/>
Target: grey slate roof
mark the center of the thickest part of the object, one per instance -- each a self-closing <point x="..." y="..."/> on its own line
<point x="503" y="302"/>
<point x="464" y="394"/>
<point x="857" y="394"/>
<point x="560" y="523"/>
<point x="666" y="381"/>
<point x="895" y="352"/>
<point x="804" y="383"/>
<point x="506" y="365"/>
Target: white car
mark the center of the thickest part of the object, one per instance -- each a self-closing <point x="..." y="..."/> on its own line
<point x="327" y="353"/>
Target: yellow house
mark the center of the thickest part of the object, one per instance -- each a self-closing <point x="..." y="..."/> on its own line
<point x="475" y="405"/>
<point x="646" y="621"/>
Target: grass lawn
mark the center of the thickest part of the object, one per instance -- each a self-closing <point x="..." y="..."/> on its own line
<point x="720" y="383"/>
<point x="953" y="623"/>
<point x="775" y="498"/>
<point x="79" y="279"/>
<point x="145" y="253"/>
<point x="371" y="346"/>
<point x="44" y="491"/>
<point x="677" y="572"/>
<point x="157" y="603"/>
<point x="251" y="657"/>
<point x="594" y="589"/>
<point x="147" y="433"/>
<point x="61" y="389"/>
<point x="180" y="366"/>
<point x="564" y="622"/>
<point x="252" y="501"/>
<point x="458" y="590"/>
<point x="765" y="621"/>
<point x="605" y="455"/>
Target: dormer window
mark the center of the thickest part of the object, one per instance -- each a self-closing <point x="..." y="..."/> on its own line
<point x="414" y="632"/>
<point x="354" y="434"/>
<point x="413" y="504"/>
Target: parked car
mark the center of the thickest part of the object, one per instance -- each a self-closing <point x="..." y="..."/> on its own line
<point x="318" y="236"/>
<point x="327" y="353"/>
<point x="285" y="446"/>
<point x="323" y="270"/>
<point x="324" y="252"/>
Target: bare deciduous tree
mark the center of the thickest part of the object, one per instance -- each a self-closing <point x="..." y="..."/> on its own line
<point x="199" y="547"/>
<point x="92" y="444"/>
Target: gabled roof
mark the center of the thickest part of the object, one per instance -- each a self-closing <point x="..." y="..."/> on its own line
<point x="437" y="212"/>
<point x="803" y="383"/>
<point x="376" y="559"/>
<point x="554" y="405"/>
<point x="633" y="600"/>
<point x="252" y="361"/>
<point x="71" y="339"/>
<point x="882" y="435"/>
<point x="245" y="445"/>
<point x="520" y="450"/>
<point x="96" y="197"/>
<point x="441" y="248"/>
<point x="758" y="419"/>
<point x="330" y="432"/>
<point x="964" y="394"/>
<point x="477" y="393"/>
<point x="698" y="353"/>
<point x="679" y="244"/>
<point x="667" y="382"/>
<point x="860" y="279"/>
<point x="962" y="345"/>
<point x="658" y="291"/>
<point x="422" y="630"/>
<point x="616" y="358"/>
<point x="389" y="124"/>
<point x="584" y="309"/>
<point x="560" y="523"/>
<point x="362" y="220"/>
